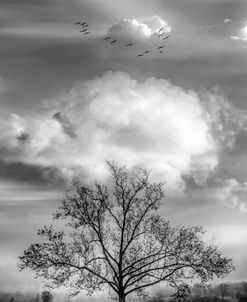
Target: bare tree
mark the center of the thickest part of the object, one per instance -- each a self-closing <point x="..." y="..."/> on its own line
<point x="118" y="239"/>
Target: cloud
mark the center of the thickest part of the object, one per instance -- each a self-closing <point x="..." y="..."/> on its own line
<point x="232" y="193"/>
<point x="65" y="123"/>
<point x="139" y="38"/>
<point x="41" y="31"/>
<point x="152" y="123"/>
<point x="242" y="35"/>
<point x="225" y="120"/>
<point x="132" y="29"/>
<point x="23" y="137"/>
<point x="157" y="24"/>
<point x="228" y="21"/>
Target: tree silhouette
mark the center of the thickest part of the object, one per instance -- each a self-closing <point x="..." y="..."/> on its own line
<point x="118" y="239"/>
<point x="223" y="289"/>
<point x="46" y="296"/>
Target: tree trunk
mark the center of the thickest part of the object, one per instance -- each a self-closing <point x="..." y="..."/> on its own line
<point x="121" y="297"/>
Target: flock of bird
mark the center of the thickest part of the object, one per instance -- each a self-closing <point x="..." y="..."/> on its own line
<point x="161" y="35"/>
<point x="84" y="27"/>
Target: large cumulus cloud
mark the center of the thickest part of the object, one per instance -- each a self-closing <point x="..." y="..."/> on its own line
<point x="114" y="117"/>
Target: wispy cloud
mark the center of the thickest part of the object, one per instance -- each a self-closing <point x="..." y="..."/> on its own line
<point x="228" y="20"/>
<point x="41" y="31"/>
<point x="232" y="193"/>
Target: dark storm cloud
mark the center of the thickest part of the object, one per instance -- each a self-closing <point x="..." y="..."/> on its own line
<point x="30" y="173"/>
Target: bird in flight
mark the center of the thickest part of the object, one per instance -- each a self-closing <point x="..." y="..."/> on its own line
<point x="84" y="27"/>
<point x="160" y="30"/>
<point x="160" y="35"/>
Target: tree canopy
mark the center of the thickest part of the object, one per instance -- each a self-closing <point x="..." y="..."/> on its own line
<point x="117" y="238"/>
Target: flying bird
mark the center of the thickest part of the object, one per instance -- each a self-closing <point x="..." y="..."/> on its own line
<point x="78" y="23"/>
<point x="107" y="38"/>
<point x="146" y="51"/>
<point x="86" y="33"/>
<point x="161" y="51"/>
<point x="140" y="55"/>
<point x="130" y="44"/>
<point x="160" y="35"/>
<point x="160" y="47"/>
<point x="113" y="41"/>
<point x="160" y="30"/>
<point x="167" y="37"/>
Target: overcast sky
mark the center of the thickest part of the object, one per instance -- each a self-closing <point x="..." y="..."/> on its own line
<point x="70" y="101"/>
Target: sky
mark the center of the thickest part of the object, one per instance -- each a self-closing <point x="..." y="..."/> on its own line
<point x="69" y="102"/>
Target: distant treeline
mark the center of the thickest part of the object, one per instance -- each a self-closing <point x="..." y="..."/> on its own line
<point x="227" y="291"/>
<point x="19" y="297"/>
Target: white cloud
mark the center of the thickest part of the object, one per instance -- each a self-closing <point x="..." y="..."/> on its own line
<point x="157" y="24"/>
<point x="232" y="193"/>
<point x="139" y="30"/>
<point x="224" y="119"/>
<point x="242" y="35"/>
<point x="130" y="28"/>
<point x="229" y="235"/>
<point x="152" y="124"/>
<point x="228" y="20"/>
